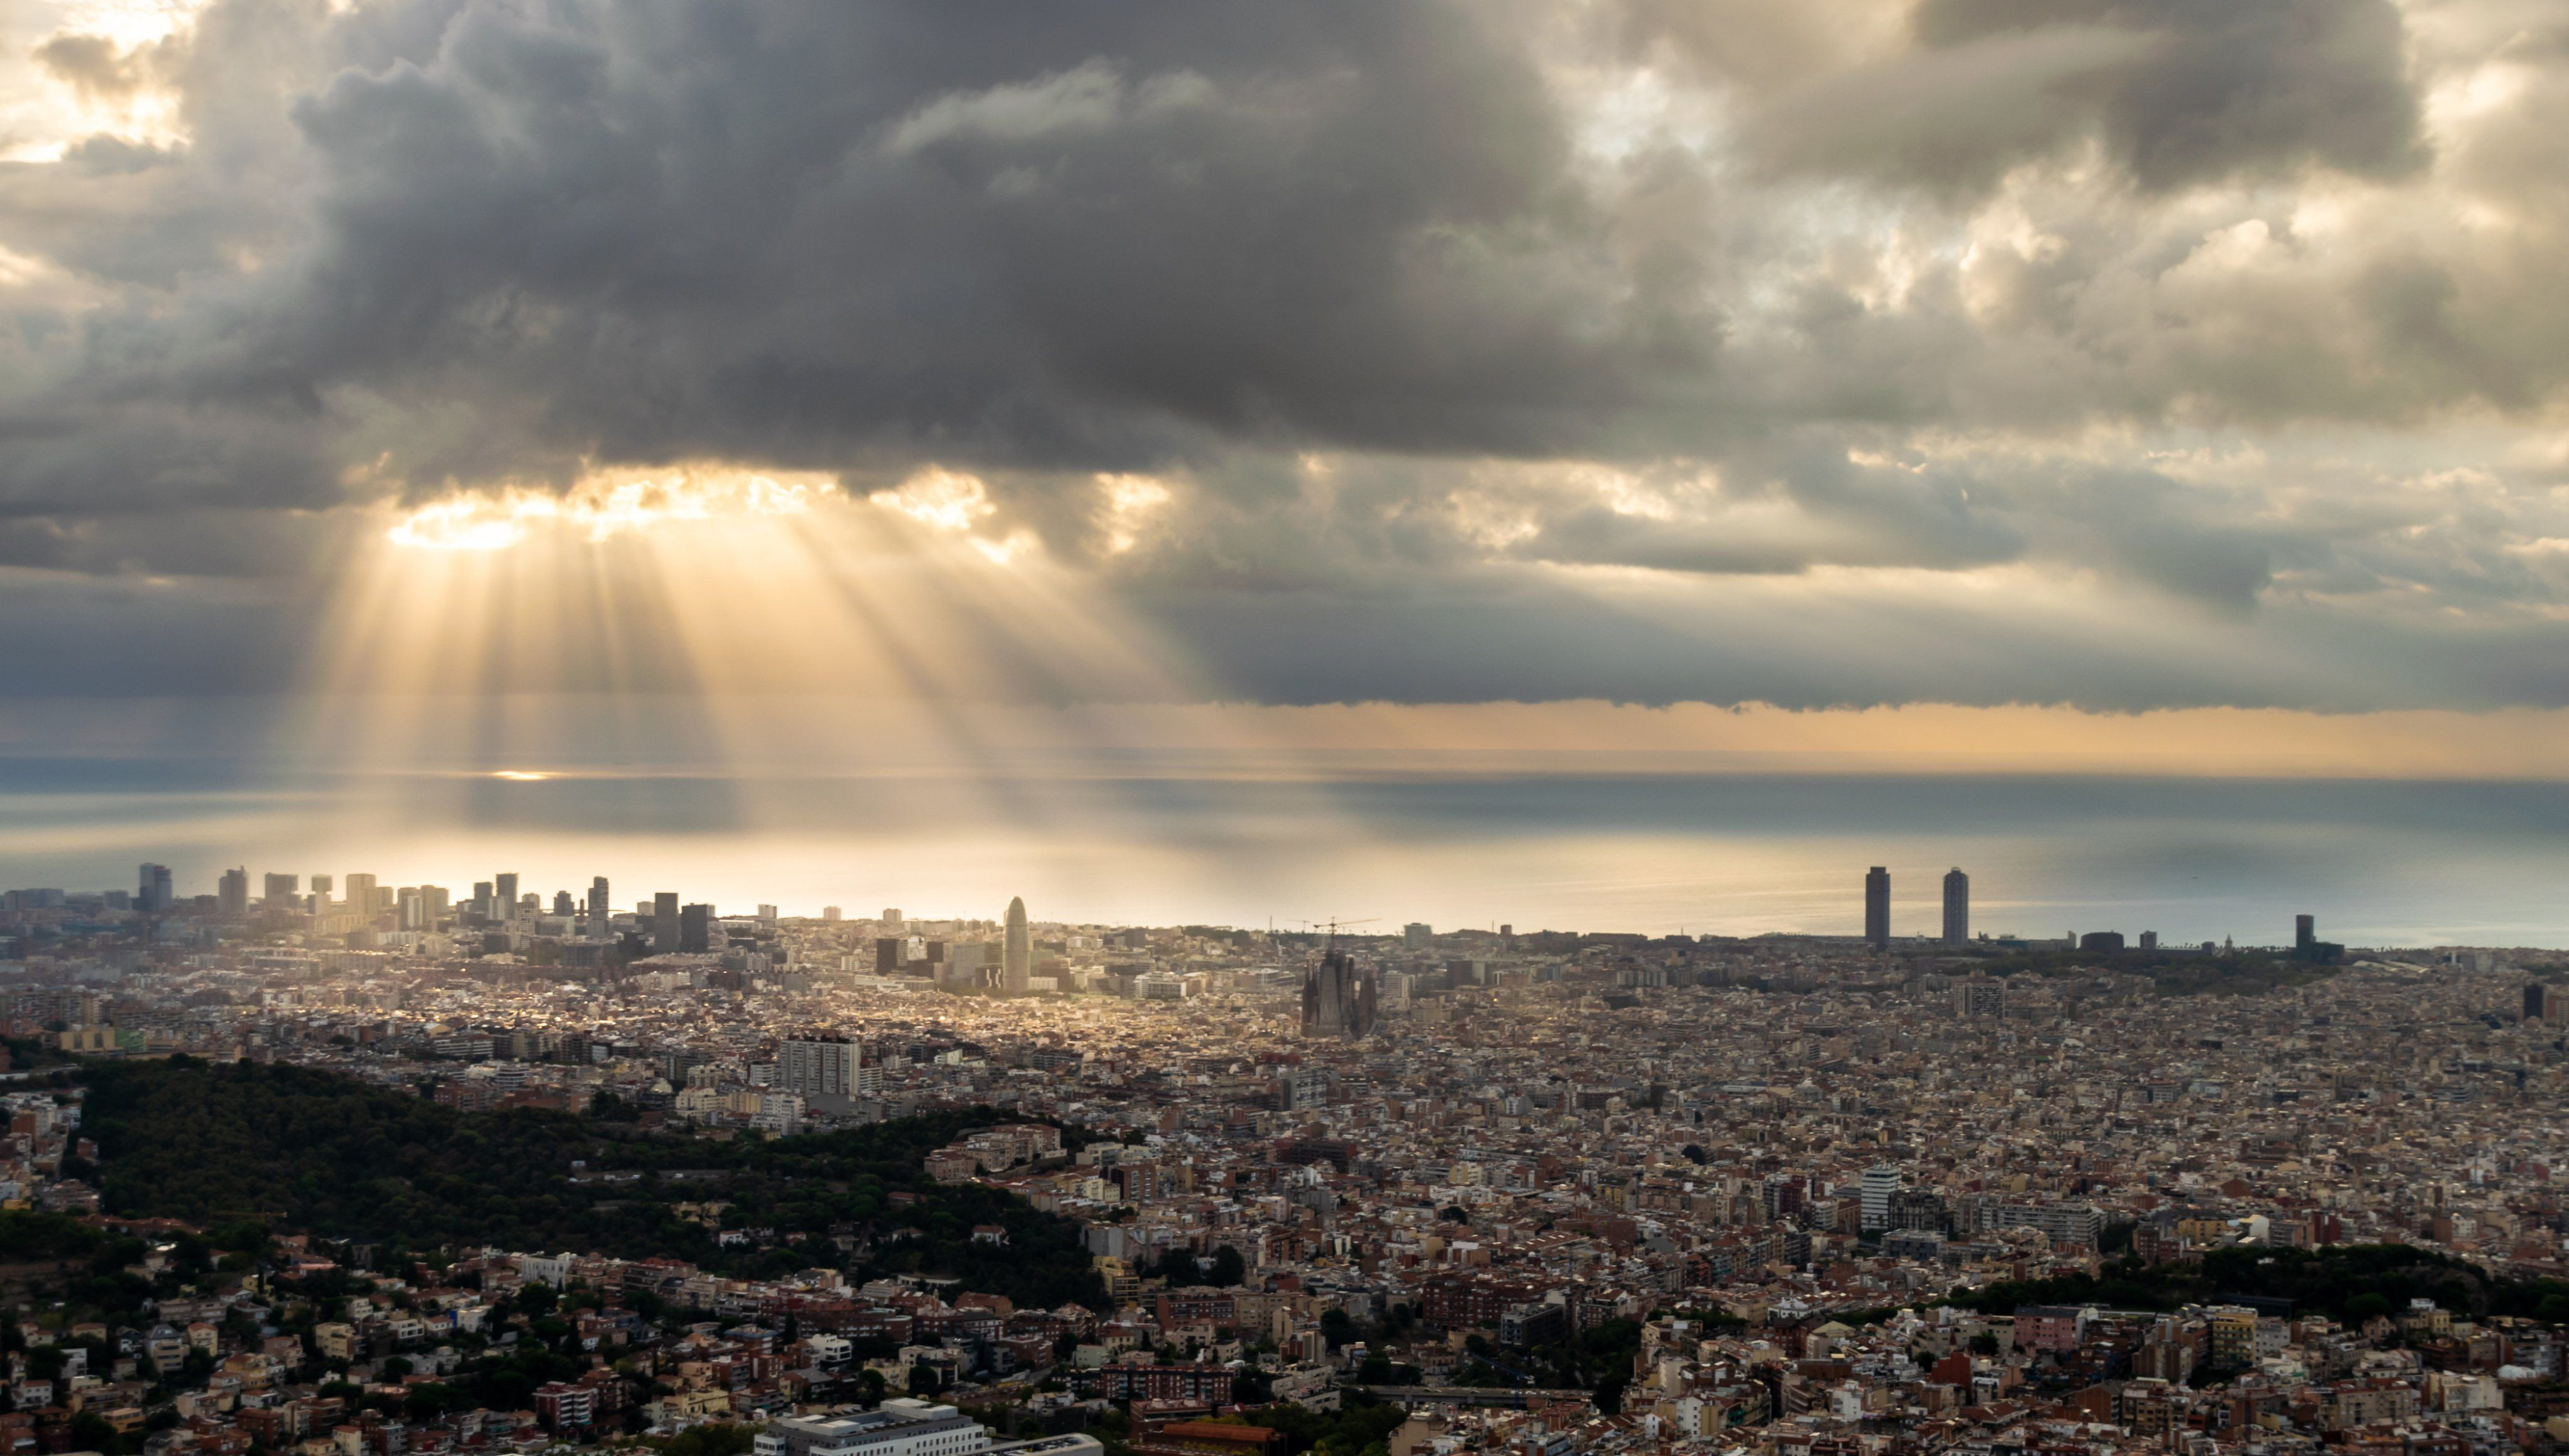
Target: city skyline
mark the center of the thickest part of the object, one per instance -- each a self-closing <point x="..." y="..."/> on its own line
<point x="666" y="915"/>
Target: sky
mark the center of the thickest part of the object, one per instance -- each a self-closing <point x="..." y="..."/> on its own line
<point x="2160" y="387"/>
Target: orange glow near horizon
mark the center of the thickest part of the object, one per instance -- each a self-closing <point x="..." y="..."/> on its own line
<point x="709" y="618"/>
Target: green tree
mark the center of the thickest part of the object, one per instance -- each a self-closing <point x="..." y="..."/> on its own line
<point x="1228" y="1268"/>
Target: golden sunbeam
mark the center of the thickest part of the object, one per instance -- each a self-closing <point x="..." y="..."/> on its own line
<point x="744" y="630"/>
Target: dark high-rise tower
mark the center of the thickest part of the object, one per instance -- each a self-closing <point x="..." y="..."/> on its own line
<point x="665" y="922"/>
<point x="1017" y="954"/>
<point x="1958" y="907"/>
<point x="154" y="894"/>
<point x="2305" y="933"/>
<point x="1876" y="908"/>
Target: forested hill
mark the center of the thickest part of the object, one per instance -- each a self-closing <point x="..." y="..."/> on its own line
<point x="316" y="1151"/>
<point x="2347" y="1282"/>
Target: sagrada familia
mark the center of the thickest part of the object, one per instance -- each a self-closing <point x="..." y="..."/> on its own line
<point x="1339" y="999"/>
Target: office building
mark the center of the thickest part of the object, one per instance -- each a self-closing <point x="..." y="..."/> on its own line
<point x="421" y="906"/>
<point x="2307" y="944"/>
<point x="1416" y="934"/>
<point x="897" y="1427"/>
<point x="283" y="890"/>
<point x="892" y="952"/>
<point x="1016" y="958"/>
<point x="484" y="903"/>
<point x="1876" y="908"/>
<point x="819" y="1065"/>
<point x="231" y="892"/>
<point x="1958" y="907"/>
<point x="321" y="886"/>
<point x="665" y="922"/>
<point x="504" y="896"/>
<point x="563" y="908"/>
<point x="601" y="910"/>
<point x="831" y="915"/>
<point x="696" y="929"/>
<point x="2542" y="1002"/>
<point x="362" y="900"/>
<point x="1881" y="1183"/>
<point x="153" y="894"/>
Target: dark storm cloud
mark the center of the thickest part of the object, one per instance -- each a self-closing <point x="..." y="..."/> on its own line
<point x="1020" y="232"/>
<point x="1878" y="312"/>
<point x="2179" y="92"/>
<point x="455" y="241"/>
<point x="815" y="231"/>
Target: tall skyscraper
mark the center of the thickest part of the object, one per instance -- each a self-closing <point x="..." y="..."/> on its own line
<point x="504" y="896"/>
<point x="281" y="890"/>
<point x="601" y="909"/>
<point x="362" y="898"/>
<point x="1958" y="907"/>
<point x="2305" y="932"/>
<point x="665" y="922"/>
<point x="231" y="892"/>
<point x="697" y="931"/>
<point x="154" y="894"/>
<point x="1016" y="958"/>
<point x="1876" y="908"/>
<point x="485" y="902"/>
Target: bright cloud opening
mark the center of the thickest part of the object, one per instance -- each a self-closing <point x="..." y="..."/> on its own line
<point x="603" y="508"/>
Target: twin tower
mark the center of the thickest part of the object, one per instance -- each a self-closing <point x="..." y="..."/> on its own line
<point x="1876" y="908"/>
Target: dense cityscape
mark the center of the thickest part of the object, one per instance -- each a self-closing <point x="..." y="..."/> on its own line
<point x="1196" y="1191"/>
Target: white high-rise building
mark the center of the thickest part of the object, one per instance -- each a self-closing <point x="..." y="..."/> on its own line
<point x="819" y="1065"/>
<point x="1881" y="1181"/>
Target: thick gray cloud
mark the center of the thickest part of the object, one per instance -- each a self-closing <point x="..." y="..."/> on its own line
<point x="2211" y="88"/>
<point x="2090" y="293"/>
